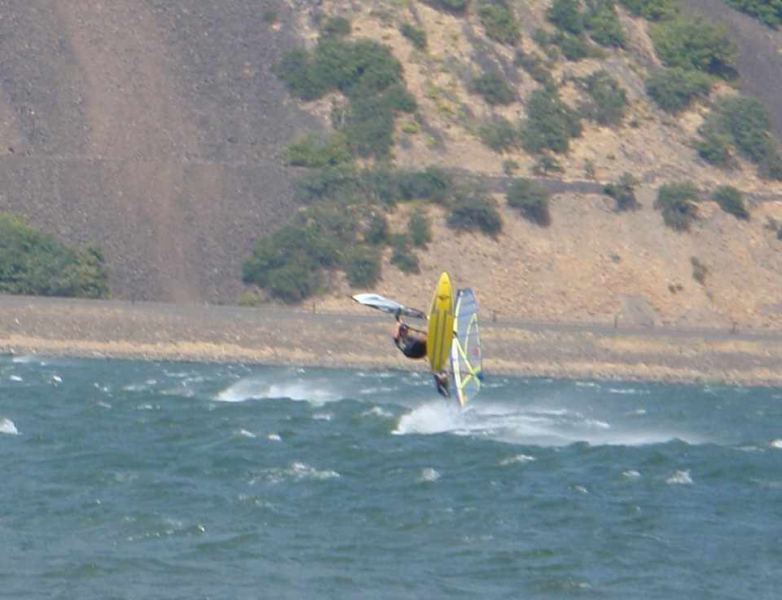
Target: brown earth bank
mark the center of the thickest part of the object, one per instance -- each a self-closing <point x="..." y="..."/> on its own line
<point x="350" y="339"/>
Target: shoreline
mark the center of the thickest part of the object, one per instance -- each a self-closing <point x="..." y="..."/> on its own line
<point x="107" y="329"/>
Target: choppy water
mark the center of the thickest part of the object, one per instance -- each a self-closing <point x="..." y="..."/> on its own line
<point x="172" y="480"/>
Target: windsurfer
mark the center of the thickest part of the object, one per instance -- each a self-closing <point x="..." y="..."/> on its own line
<point x="411" y="343"/>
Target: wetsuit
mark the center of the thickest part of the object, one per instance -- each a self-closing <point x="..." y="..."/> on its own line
<point x="411" y="346"/>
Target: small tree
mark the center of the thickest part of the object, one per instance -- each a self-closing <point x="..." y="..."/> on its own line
<point x="499" y="134"/>
<point x="623" y="192"/>
<point x="419" y="228"/>
<point x="494" y="89"/>
<point x="731" y="201"/>
<point x="699" y="270"/>
<point x="416" y="35"/>
<point x="603" y="24"/>
<point x="531" y="199"/>
<point x="694" y="43"/>
<point x="403" y="257"/>
<point x="363" y="267"/>
<point x="607" y="99"/>
<point x="498" y="21"/>
<point x="550" y="123"/>
<point x="567" y="16"/>
<point x="471" y="210"/>
<point x="674" y="89"/>
<point x="677" y="203"/>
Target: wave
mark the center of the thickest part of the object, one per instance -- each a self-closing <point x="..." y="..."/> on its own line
<point x="533" y="426"/>
<point x="7" y="426"/>
<point x="301" y="389"/>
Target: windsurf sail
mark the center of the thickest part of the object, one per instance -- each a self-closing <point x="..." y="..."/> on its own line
<point x="465" y="361"/>
<point x="386" y="305"/>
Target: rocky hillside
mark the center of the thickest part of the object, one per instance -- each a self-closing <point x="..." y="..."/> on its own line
<point x="151" y="129"/>
<point x="158" y="132"/>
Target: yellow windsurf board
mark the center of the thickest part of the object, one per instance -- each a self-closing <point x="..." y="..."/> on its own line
<point x="440" y="329"/>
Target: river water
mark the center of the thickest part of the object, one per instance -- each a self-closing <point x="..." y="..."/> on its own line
<point x="126" y="479"/>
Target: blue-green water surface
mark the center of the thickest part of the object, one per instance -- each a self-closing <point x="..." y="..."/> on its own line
<point x="177" y="480"/>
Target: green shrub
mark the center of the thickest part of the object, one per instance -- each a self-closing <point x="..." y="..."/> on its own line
<point x="35" y="263"/>
<point x="416" y="35"/>
<point x="699" y="270"/>
<point x="677" y="203"/>
<point x="419" y="228"/>
<point x="550" y="123"/>
<point x="623" y="192"/>
<point x="498" y="133"/>
<point x="402" y="256"/>
<point x="376" y="229"/>
<point x="534" y="66"/>
<point x="546" y="164"/>
<point x="363" y="266"/>
<point x="289" y="263"/>
<point x="498" y="21"/>
<point x="573" y="47"/>
<point x="608" y="100"/>
<point x="456" y="6"/>
<point x="340" y="183"/>
<point x="470" y="210"/>
<point x="695" y="44"/>
<point x="509" y="167"/>
<point x="731" y="201"/>
<point x="567" y="16"/>
<point x="767" y="11"/>
<point x="674" y="89"/>
<point x="654" y="10"/>
<point x="531" y="199"/>
<point x="317" y="151"/>
<point x="603" y="24"/>
<point x="367" y="73"/>
<point x="714" y="146"/>
<point x="743" y="123"/>
<point x="335" y="27"/>
<point x="494" y="89"/>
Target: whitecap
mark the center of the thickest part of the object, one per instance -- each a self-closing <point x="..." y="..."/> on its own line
<point x="433" y="417"/>
<point x="245" y="433"/>
<point x="680" y="478"/>
<point x="274" y="437"/>
<point x="628" y="391"/>
<point x="323" y="416"/>
<point x="15" y="378"/>
<point x="298" y="389"/>
<point x="299" y="471"/>
<point x="428" y="475"/>
<point x="580" y="489"/>
<point x="517" y="459"/>
<point x="7" y="426"/>
<point x="776" y="444"/>
<point x="376" y="411"/>
<point x="56" y="379"/>
<point x="631" y="474"/>
<point x="587" y="384"/>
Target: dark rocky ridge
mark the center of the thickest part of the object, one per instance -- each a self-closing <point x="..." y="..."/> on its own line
<point x="151" y="129"/>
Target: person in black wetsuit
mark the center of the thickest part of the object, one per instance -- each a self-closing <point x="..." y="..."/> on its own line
<point x="412" y="343"/>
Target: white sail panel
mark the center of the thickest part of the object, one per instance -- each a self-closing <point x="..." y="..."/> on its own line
<point x="466" y="368"/>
